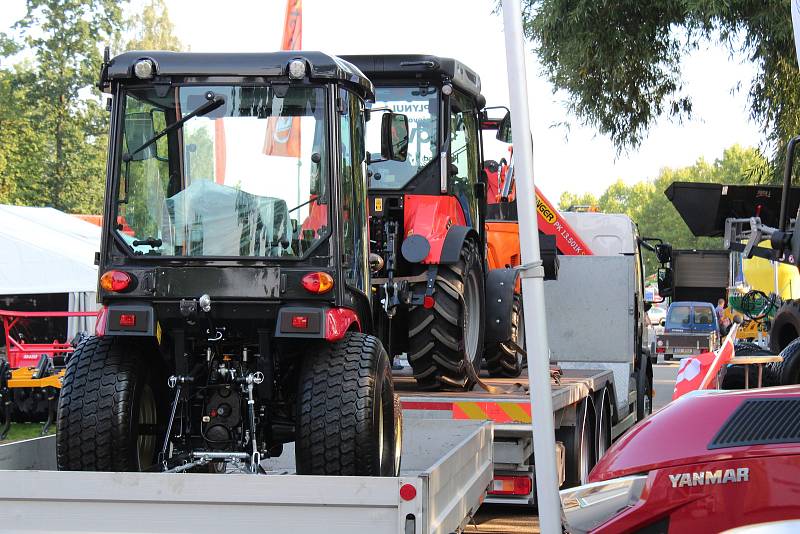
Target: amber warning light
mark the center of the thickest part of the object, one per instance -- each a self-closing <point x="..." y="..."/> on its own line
<point x="115" y="281"/>
<point x="318" y="282"/>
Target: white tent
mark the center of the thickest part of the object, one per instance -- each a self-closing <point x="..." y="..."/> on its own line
<point x="43" y="250"/>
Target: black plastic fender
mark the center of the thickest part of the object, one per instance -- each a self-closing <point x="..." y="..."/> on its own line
<point x="500" y="285"/>
<point x="454" y="242"/>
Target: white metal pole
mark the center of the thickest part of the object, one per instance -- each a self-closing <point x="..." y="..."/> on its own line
<point x="544" y="446"/>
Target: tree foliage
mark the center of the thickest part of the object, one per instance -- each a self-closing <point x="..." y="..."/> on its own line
<point x="646" y="204"/>
<point x="53" y="128"/>
<point x="152" y="29"/>
<point x="619" y="61"/>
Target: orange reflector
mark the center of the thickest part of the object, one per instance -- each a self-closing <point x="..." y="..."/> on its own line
<point x="318" y="282"/>
<point x="300" y="321"/>
<point x="115" y="281"/>
<point x="407" y="492"/>
<point x="511" y="485"/>
<point x="127" y="319"/>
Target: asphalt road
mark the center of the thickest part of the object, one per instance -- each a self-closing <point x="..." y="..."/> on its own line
<point x="515" y="520"/>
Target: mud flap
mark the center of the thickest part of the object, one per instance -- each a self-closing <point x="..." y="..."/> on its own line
<point x="500" y="287"/>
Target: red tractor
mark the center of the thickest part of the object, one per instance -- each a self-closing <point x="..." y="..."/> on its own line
<point x="428" y="230"/>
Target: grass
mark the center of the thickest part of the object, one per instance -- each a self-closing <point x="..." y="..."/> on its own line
<point x="20" y="431"/>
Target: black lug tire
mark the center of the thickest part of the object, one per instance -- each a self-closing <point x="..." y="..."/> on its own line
<point x="345" y="390"/>
<point x="108" y="380"/>
<point x="579" y="445"/>
<point x="787" y="372"/>
<point x="734" y="374"/>
<point x="437" y="344"/>
<point x="502" y="361"/>
<point x="644" y="391"/>
<point x="785" y="327"/>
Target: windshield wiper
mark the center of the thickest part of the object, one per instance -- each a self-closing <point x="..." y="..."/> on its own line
<point x="213" y="102"/>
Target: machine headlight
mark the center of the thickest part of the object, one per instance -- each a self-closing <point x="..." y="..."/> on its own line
<point x="144" y="69"/>
<point x="297" y="69"/>
<point x="589" y="506"/>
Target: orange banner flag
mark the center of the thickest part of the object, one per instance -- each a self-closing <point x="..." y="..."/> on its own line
<point x="283" y="133"/>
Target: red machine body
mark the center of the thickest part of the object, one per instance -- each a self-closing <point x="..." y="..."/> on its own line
<point x="694" y="484"/>
<point x="22" y="354"/>
<point x="432" y="217"/>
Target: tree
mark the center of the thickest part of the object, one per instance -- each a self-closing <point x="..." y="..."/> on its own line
<point x="646" y="204"/>
<point x="619" y="60"/>
<point x="153" y="29"/>
<point x="64" y="36"/>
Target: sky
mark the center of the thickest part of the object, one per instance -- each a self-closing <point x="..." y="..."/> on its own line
<point x="574" y="158"/>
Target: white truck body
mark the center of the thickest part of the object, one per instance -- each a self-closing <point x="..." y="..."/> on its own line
<point x="449" y="465"/>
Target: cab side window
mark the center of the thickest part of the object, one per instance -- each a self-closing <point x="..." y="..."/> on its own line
<point x="464" y="172"/>
<point x="354" y="192"/>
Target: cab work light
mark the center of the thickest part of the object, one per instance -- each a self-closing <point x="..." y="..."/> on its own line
<point x="318" y="282"/>
<point x="115" y="281"/>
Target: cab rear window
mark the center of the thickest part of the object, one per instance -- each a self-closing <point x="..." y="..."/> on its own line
<point x="680" y="316"/>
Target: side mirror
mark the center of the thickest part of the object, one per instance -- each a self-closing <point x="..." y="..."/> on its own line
<point x="504" y="130"/>
<point x="394" y="136"/>
<point x="664" y="253"/>
<point x="665" y="285"/>
<point x="139" y="128"/>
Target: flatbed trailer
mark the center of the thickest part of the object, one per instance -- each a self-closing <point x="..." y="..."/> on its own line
<point x="507" y="405"/>
<point x="447" y="468"/>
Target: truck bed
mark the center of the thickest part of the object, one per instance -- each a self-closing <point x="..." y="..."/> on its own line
<point x="448" y="463"/>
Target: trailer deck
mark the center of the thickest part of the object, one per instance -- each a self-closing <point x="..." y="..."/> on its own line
<point x="446" y="470"/>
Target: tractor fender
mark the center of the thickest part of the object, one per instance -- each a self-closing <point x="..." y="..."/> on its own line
<point x="500" y="287"/>
<point x="440" y="228"/>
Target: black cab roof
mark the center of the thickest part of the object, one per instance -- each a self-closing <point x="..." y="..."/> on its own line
<point x="421" y="66"/>
<point x="320" y="66"/>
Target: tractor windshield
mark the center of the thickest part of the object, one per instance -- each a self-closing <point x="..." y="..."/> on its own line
<point x="420" y="105"/>
<point x="248" y="178"/>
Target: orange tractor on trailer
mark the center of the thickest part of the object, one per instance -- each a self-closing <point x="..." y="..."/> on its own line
<point x="443" y="227"/>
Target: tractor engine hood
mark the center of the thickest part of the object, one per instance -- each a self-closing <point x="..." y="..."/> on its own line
<point x="705" y="427"/>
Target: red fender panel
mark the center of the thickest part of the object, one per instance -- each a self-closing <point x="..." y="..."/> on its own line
<point x="431" y="216"/>
<point x="338" y="321"/>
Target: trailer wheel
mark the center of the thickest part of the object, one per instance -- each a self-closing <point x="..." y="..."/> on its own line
<point x="504" y="360"/>
<point x="579" y="445"/>
<point x="112" y="408"/>
<point x="786" y="372"/>
<point x="644" y="391"/>
<point x="603" y="415"/>
<point x="442" y="339"/>
<point x="346" y="414"/>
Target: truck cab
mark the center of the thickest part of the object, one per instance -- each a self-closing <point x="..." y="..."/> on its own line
<point x="690" y="328"/>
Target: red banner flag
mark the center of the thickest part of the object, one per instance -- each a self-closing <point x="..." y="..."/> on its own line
<point x="700" y="372"/>
<point x="283" y="133"/>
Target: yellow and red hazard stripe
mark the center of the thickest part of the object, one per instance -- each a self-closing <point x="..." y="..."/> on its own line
<point x="499" y="412"/>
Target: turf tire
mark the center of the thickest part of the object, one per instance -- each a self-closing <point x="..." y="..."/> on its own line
<point x="346" y="413"/>
<point x="110" y="386"/>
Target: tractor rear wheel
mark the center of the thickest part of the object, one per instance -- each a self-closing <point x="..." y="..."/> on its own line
<point x="785" y="327"/>
<point x="787" y="372"/>
<point x="504" y="360"/>
<point x="446" y="338"/>
<point x="347" y="421"/>
<point x="112" y="408"/>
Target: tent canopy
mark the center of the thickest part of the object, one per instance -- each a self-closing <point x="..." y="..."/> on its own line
<point x="44" y="250"/>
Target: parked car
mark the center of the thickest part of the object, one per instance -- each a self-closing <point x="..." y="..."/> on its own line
<point x="657" y="315"/>
<point x="690" y="328"/>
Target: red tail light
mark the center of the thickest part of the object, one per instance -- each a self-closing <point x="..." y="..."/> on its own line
<point x="115" y="281"/>
<point x="127" y="319"/>
<point x="318" y="282"/>
<point x="511" y="485"/>
<point x="300" y="321"/>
